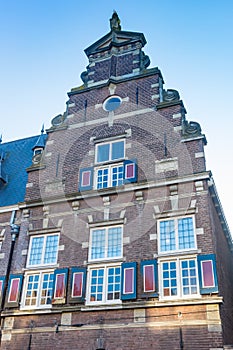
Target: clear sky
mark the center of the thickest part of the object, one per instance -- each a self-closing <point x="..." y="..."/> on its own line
<point x="191" y="41"/>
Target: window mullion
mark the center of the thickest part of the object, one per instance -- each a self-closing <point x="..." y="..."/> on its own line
<point x="39" y="290"/>
<point x="106" y="242"/>
<point x="105" y="285"/>
<point x="110" y="176"/>
<point x="176" y="227"/>
<point x="110" y="151"/>
<point x="179" y="278"/>
<point x="43" y="250"/>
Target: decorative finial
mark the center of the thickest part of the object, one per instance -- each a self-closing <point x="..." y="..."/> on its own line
<point x="42" y="129"/>
<point x="115" y="23"/>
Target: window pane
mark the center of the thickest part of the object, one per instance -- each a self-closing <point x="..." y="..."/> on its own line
<point x="117" y="150"/>
<point x="102" y="178"/>
<point x="167" y="236"/>
<point x="186" y="233"/>
<point x="98" y="244"/>
<point x="51" y="249"/>
<point x="114" y="242"/>
<point x="103" y="152"/>
<point x="169" y="278"/>
<point x="47" y="289"/>
<point x="189" y="279"/>
<point x="36" y="251"/>
<point x="96" y="285"/>
<point x="117" y="175"/>
<point x="113" y="288"/>
<point x="31" y="290"/>
<point x="112" y="103"/>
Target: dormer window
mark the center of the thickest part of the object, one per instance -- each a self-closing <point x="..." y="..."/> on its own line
<point x="38" y="150"/>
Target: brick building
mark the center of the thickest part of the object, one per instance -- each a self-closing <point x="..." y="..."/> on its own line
<point x="111" y="230"/>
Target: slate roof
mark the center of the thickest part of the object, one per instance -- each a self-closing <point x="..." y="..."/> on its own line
<point x="17" y="157"/>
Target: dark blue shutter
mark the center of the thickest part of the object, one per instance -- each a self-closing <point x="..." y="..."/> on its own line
<point x="2" y="284"/>
<point x="128" y="280"/>
<point x="59" y="297"/>
<point x="130" y="171"/>
<point x="84" y="174"/>
<point x="207" y="265"/>
<point x="14" y="290"/>
<point x="143" y="265"/>
<point x="81" y="272"/>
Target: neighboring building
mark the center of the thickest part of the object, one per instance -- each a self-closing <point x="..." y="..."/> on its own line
<point x="120" y="240"/>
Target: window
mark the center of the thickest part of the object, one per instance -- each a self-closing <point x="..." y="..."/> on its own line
<point x="105" y="243"/>
<point x="43" y="250"/>
<point x="179" y="278"/>
<point x="176" y="234"/>
<point x="38" y="289"/>
<point x="39" y="285"/>
<point x="104" y="280"/>
<point x="112" y="103"/>
<point x="109" y="176"/>
<point x="110" y="151"/>
<point x="104" y="284"/>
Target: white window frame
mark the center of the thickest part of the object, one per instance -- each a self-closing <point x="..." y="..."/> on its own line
<point x="110" y="151"/>
<point x="175" y="219"/>
<point x="43" y="250"/>
<point x="39" y="290"/>
<point x="106" y="228"/>
<point x="110" y="170"/>
<point x="105" y="285"/>
<point x="180" y="294"/>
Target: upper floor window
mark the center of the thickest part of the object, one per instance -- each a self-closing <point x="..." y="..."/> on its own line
<point x="176" y="234"/>
<point x="110" y="151"/>
<point x="105" y="243"/>
<point x="43" y="250"/>
<point x="111" y="169"/>
<point x="109" y="176"/>
<point x="112" y="103"/>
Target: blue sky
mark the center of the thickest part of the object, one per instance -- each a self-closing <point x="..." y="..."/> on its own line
<point x="42" y="43"/>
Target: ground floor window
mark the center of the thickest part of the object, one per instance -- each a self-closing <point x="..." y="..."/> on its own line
<point x="38" y="289"/>
<point x="178" y="278"/>
<point x="104" y="284"/>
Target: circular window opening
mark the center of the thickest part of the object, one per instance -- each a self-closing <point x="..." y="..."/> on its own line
<point x="112" y="103"/>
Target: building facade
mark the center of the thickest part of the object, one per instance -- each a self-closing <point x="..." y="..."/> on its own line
<point x="117" y="238"/>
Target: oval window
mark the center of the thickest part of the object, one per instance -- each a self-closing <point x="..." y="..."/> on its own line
<point x="112" y="103"/>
